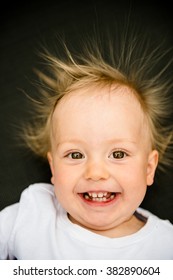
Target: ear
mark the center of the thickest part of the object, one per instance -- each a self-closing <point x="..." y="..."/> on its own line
<point x="151" y="167"/>
<point x="50" y="160"/>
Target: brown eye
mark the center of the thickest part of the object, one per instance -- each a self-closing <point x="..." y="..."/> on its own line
<point x="75" y="155"/>
<point x="119" y="154"/>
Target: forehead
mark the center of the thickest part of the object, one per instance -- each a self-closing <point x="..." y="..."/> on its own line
<point x="88" y="96"/>
<point x="104" y="112"/>
<point x="109" y="100"/>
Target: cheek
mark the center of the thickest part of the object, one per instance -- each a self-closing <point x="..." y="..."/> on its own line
<point x="65" y="178"/>
<point x="65" y="181"/>
<point x="61" y="184"/>
<point x="61" y="177"/>
<point x="134" y="179"/>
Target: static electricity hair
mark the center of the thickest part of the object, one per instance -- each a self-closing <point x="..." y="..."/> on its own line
<point x="131" y="61"/>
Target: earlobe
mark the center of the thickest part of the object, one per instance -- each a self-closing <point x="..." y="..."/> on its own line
<point x="151" y="167"/>
<point x="50" y="160"/>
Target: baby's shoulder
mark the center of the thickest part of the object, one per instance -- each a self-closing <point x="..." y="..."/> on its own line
<point x="38" y="191"/>
<point x="37" y="197"/>
<point x="158" y="225"/>
<point x="155" y="223"/>
<point x="166" y="227"/>
<point x="37" y="203"/>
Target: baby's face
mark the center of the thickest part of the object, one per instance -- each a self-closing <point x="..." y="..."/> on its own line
<point x="101" y="157"/>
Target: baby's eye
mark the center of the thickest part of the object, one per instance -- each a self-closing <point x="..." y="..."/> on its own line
<point x="75" y="155"/>
<point x="118" y="155"/>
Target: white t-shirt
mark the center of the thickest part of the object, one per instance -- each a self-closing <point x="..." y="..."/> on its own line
<point x="38" y="228"/>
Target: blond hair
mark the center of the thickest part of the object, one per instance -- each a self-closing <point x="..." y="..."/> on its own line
<point x="131" y="63"/>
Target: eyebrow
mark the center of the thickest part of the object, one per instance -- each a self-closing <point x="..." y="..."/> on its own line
<point x="111" y="141"/>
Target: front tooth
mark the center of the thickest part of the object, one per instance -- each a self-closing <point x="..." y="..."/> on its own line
<point x="94" y="195"/>
<point x="100" y="194"/>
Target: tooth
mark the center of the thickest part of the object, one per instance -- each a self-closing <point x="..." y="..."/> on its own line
<point x="86" y="196"/>
<point x="100" y="196"/>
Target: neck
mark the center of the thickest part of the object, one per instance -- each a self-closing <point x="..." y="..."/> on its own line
<point x="129" y="227"/>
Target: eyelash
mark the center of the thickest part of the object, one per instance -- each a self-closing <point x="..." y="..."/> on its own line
<point x="77" y="155"/>
<point x="120" y="154"/>
<point x="69" y="155"/>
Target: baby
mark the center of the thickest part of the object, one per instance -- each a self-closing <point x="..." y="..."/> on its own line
<point x="101" y="126"/>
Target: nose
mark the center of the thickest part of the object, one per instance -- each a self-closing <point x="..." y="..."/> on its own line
<point x="96" y="171"/>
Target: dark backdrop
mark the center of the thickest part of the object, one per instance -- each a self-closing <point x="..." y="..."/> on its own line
<point x="23" y="26"/>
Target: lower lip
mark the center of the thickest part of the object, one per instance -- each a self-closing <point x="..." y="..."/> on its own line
<point x="98" y="203"/>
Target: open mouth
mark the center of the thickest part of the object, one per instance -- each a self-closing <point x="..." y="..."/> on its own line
<point x="99" y="196"/>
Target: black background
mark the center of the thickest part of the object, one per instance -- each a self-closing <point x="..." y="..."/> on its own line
<point x="23" y="26"/>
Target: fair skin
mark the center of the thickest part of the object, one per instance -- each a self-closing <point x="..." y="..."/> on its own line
<point x="101" y="159"/>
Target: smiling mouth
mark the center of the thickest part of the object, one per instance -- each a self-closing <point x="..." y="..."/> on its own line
<point x="99" y="196"/>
